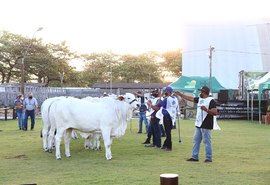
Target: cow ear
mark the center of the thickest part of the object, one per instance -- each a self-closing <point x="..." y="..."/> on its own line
<point x="121" y="98"/>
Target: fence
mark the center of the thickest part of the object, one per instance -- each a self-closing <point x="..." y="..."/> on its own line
<point x="8" y="93"/>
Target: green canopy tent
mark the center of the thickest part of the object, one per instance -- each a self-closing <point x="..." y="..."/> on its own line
<point x="191" y="84"/>
<point x="262" y="86"/>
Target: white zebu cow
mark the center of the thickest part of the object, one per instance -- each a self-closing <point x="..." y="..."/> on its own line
<point x="45" y="107"/>
<point x="110" y="117"/>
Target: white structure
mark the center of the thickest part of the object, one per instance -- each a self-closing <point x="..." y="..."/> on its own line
<point x="237" y="46"/>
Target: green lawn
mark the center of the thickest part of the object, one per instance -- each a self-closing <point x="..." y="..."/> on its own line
<point x="241" y="155"/>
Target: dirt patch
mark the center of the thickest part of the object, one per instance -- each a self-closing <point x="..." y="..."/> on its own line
<point x="19" y="156"/>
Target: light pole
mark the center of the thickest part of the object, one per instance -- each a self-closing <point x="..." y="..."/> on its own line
<point x="110" y="77"/>
<point x="211" y="49"/>
<point x="23" y="58"/>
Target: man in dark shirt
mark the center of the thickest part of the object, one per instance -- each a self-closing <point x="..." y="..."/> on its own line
<point x="205" y="122"/>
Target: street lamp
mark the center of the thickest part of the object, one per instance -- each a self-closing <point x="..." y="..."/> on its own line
<point x="211" y="49"/>
<point x="23" y="58"/>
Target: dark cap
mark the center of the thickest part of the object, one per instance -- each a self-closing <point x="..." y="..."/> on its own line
<point x="205" y="89"/>
<point x="155" y="91"/>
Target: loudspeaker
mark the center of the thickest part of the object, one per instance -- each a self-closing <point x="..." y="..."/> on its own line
<point x="223" y="95"/>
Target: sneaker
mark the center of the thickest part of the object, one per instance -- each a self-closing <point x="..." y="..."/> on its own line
<point x="139" y="132"/>
<point x="163" y="148"/>
<point x="149" y="145"/>
<point x="193" y="160"/>
<point x="208" y="161"/>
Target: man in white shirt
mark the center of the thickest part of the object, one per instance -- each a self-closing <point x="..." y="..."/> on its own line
<point x="30" y="105"/>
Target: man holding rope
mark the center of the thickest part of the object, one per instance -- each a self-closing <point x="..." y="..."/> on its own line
<point x="205" y="122"/>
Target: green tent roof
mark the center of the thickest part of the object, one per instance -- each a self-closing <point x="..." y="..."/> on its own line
<point x="191" y="84"/>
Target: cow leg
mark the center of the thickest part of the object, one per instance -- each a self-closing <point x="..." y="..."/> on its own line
<point x="67" y="135"/>
<point x="44" y="138"/>
<point x="97" y="139"/>
<point x="58" y="138"/>
<point x="51" y="139"/>
<point x="107" y="143"/>
<point x="74" y="135"/>
<point x="87" y="143"/>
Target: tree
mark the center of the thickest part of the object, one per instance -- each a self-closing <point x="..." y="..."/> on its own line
<point x="44" y="63"/>
<point x="173" y="62"/>
<point x="138" y="68"/>
<point x="11" y="47"/>
<point x="99" y="67"/>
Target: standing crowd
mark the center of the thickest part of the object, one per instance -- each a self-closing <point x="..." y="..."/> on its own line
<point x="26" y="107"/>
<point x="164" y="110"/>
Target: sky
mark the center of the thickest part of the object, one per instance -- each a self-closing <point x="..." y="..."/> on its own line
<point x="120" y="26"/>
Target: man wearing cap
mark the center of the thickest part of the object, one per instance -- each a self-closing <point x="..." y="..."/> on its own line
<point x="169" y="110"/>
<point x="30" y="104"/>
<point x="205" y="122"/>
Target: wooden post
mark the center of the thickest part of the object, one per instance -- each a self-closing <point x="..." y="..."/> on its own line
<point x="6" y="111"/>
<point x="168" y="179"/>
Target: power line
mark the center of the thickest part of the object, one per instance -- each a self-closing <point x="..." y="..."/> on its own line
<point x="227" y="51"/>
<point x="244" y="52"/>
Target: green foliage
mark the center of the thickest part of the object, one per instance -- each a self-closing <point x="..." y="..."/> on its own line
<point x="41" y="62"/>
<point x="49" y="64"/>
<point x="240" y="156"/>
<point x="141" y="68"/>
<point x="173" y="61"/>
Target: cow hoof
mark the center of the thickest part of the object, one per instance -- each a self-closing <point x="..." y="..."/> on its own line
<point x="45" y="149"/>
<point x="50" y="150"/>
<point x="108" y="158"/>
<point x="58" y="158"/>
<point x="68" y="156"/>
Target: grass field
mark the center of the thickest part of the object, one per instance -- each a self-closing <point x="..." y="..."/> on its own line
<point x="241" y="155"/>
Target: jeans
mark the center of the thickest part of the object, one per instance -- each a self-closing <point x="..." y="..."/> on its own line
<point x="162" y="131"/>
<point x="20" y="116"/>
<point x="156" y="131"/>
<point x="141" y="119"/>
<point x="199" y="135"/>
<point x="167" y="121"/>
<point x="30" y="113"/>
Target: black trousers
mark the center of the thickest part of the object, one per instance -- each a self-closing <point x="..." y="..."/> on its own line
<point x="167" y="121"/>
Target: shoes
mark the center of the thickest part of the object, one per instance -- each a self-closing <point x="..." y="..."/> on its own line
<point x="208" y="161"/>
<point x="167" y="149"/>
<point x="149" y="145"/>
<point x="146" y="142"/>
<point x="139" y="132"/>
<point x="193" y="160"/>
<point x="24" y="129"/>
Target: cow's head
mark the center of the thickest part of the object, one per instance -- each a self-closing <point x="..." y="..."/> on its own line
<point x="131" y="99"/>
